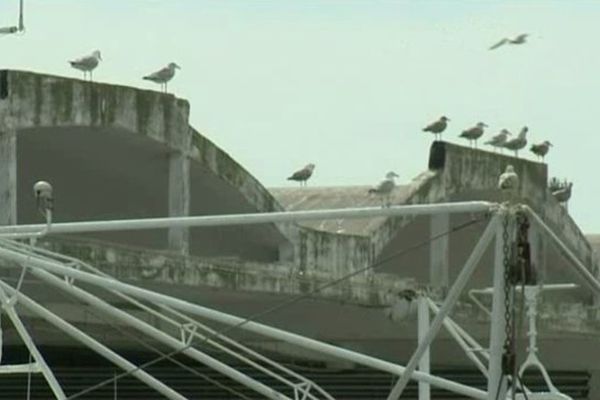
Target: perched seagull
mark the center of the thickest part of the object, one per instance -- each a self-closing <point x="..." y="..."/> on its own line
<point x="519" y="142"/>
<point x="385" y="188"/>
<point x="437" y="127"/>
<point x="498" y="141"/>
<point x="303" y="174"/>
<point x="163" y="75"/>
<point x="473" y="133"/>
<point x="509" y="180"/>
<point x="87" y="63"/>
<point x="522" y="38"/>
<point x="564" y="194"/>
<point x="541" y="149"/>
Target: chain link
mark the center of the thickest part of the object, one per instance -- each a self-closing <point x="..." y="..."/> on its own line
<point x="507" y="359"/>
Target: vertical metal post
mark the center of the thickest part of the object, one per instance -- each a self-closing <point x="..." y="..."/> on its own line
<point x="424" y="363"/>
<point x="496" y="385"/>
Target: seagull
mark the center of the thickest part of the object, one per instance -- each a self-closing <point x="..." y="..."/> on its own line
<point x="163" y="75"/>
<point x="520" y="39"/>
<point x="519" y="142"/>
<point x="509" y="180"/>
<point x="87" y="63"/>
<point x="303" y="174"/>
<point x="437" y="127"/>
<point x="474" y="133"/>
<point x="541" y="149"/>
<point x="385" y="188"/>
<point x="499" y="140"/>
<point x="564" y="194"/>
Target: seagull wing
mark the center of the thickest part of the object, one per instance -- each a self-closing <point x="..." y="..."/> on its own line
<point x="500" y="43"/>
<point x="85" y="63"/>
<point x="160" y="76"/>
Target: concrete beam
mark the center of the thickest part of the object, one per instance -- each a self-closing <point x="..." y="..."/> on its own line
<point x="179" y="201"/>
<point x="8" y="176"/>
<point x="438" y="252"/>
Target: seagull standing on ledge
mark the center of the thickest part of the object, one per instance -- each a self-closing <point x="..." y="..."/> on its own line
<point x="303" y="174"/>
<point x="519" y="142"/>
<point x="385" y="188"/>
<point x="498" y="141"/>
<point x="564" y="194"/>
<point x="509" y="180"/>
<point x="522" y="38"/>
<point x="87" y="63"/>
<point x="163" y="76"/>
<point x="541" y="149"/>
<point x="474" y="133"/>
<point x="437" y="127"/>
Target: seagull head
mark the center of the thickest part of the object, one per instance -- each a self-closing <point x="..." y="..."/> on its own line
<point x="505" y="132"/>
<point x="310" y="167"/>
<point x="444" y="118"/>
<point x="391" y="175"/>
<point x="174" y="66"/>
<point x="96" y="54"/>
<point x="482" y="125"/>
<point x="509" y="169"/>
<point x="524" y="131"/>
<point x="547" y="143"/>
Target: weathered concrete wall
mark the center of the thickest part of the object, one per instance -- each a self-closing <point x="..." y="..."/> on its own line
<point x="120" y="152"/>
<point x="151" y="267"/>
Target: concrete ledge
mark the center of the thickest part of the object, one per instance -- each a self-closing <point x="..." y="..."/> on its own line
<point x="155" y="267"/>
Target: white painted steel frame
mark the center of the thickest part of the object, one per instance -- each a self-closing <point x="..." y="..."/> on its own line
<point x="278" y="334"/>
<point x="93" y="344"/>
<point x="451" y="299"/>
<point x="9" y="307"/>
<point x="249" y="219"/>
<point x="189" y="327"/>
<point x="159" y="335"/>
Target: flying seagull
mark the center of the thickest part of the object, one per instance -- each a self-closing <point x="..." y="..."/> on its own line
<point x="498" y="141"/>
<point x="541" y="149"/>
<point x="87" y="63"/>
<point x="303" y="174"/>
<point x="474" y="133"/>
<point x="385" y="188"/>
<point x="163" y="75"/>
<point x="520" y="39"/>
<point x="519" y="142"/>
<point x="437" y="127"/>
<point x="509" y="180"/>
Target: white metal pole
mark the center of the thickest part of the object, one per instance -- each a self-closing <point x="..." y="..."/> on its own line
<point x="257" y="218"/>
<point x="450" y="301"/>
<point x="159" y="335"/>
<point x="8" y="306"/>
<point x="496" y="385"/>
<point x="94" y="345"/>
<point x="228" y="319"/>
<point x="579" y="267"/>
<point x="424" y="363"/>
<point x="451" y="327"/>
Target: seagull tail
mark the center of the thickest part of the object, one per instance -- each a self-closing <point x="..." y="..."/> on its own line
<point x="148" y="78"/>
<point x="73" y="63"/>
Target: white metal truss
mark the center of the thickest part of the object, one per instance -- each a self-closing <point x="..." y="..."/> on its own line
<point x="65" y="274"/>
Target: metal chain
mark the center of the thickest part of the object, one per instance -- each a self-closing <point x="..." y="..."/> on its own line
<point x="508" y="356"/>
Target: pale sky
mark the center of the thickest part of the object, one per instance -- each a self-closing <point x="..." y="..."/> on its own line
<point x="345" y="84"/>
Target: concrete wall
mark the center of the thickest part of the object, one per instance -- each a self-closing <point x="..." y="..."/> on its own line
<point x="116" y="152"/>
